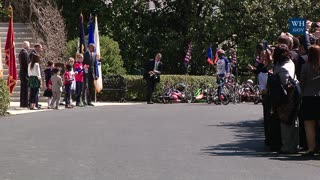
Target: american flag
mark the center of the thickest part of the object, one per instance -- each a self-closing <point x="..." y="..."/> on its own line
<point x="188" y="55"/>
<point x="234" y="56"/>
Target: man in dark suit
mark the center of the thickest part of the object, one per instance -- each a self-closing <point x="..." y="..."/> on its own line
<point x="153" y="70"/>
<point x="37" y="50"/>
<point x="23" y="73"/>
<point x="90" y="71"/>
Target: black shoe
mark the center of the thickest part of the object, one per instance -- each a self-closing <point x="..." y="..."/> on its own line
<point x="90" y="104"/>
<point x="308" y="154"/>
<point x="288" y="152"/>
<point x="150" y="102"/>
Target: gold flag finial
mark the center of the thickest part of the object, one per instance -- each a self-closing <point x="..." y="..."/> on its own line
<point x="11" y="11"/>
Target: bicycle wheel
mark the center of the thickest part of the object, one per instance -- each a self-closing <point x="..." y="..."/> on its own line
<point x="256" y="96"/>
<point x="225" y="96"/>
<point x="188" y="97"/>
<point x="231" y="92"/>
<point x="210" y="95"/>
<point x="163" y="97"/>
<point x="189" y="93"/>
<point x="237" y="94"/>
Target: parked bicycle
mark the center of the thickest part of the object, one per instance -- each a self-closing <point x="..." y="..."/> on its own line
<point x="175" y="93"/>
<point x="213" y="96"/>
<point x="200" y="93"/>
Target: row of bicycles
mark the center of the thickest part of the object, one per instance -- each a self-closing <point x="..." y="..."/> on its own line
<point x="231" y="92"/>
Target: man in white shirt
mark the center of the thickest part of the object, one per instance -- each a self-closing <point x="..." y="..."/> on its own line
<point x="222" y="69"/>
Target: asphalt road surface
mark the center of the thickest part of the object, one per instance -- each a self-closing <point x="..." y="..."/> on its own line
<point x="145" y="142"/>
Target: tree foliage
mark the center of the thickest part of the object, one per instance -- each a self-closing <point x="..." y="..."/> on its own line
<point x="47" y="22"/>
<point x="174" y="23"/>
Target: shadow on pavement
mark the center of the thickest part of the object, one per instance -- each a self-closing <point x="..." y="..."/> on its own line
<point x="248" y="142"/>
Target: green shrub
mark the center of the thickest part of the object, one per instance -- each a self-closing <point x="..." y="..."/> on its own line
<point x="4" y="97"/>
<point x="137" y="89"/>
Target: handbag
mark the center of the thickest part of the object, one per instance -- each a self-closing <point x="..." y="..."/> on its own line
<point x="288" y="112"/>
<point x="47" y="93"/>
<point x="277" y="91"/>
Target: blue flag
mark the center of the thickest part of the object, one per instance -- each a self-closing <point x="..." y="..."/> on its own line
<point x="92" y="40"/>
<point x="210" y="57"/>
<point x="91" y="31"/>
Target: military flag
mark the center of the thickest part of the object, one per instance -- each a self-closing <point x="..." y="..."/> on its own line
<point x="11" y="54"/>
<point x="82" y="42"/>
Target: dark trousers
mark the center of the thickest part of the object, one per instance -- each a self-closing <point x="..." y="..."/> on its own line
<point x="34" y="92"/>
<point x="266" y="116"/>
<point x="302" y="132"/>
<point x="88" y="88"/>
<point x="68" y="93"/>
<point x="220" y="79"/>
<point x="151" y="85"/>
<point x="24" y="93"/>
<point x="37" y="98"/>
<point x="79" y="86"/>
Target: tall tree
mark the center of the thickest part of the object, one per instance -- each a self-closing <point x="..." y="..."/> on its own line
<point x="169" y="28"/>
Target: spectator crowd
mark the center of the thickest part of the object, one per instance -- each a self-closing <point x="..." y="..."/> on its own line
<point x="289" y="80"/>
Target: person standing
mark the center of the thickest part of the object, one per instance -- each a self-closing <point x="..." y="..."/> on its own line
<point x="153" y="70"/>
<point x="286" y="110"/>
<point x="37" y="51"/>
<point x="90" y="71"/>
<point x="310" y="86"/>
<point x="223" y="70"/>
<point x="48" y="74"/>
<point x="34" y="80"/>
<point x="68" y="79"/>
<point x="23" y="74"/>
<point x="265" y="66"/>
<point x="73" y="85"/>
<point x="78" y="67"/>
<point x="56" y="88"/>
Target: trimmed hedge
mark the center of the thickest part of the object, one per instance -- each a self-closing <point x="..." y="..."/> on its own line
<point x="4" y="97"/>
<point x="137" y="89"/>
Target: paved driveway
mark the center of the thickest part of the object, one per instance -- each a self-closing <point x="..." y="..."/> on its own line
<point x="144" y="142"/>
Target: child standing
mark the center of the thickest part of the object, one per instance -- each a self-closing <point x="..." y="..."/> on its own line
<point x="78" y="67"/>
<point x="68" y="78"/>
<point x="56" y="88"/>
<point x="48" y="74"/>
<point x="73" y="84"/>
